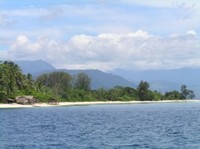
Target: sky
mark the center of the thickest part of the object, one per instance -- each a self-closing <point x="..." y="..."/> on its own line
<point x="102" y="34"/>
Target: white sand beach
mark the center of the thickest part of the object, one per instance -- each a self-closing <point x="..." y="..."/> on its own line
<point x="14" y="105"/>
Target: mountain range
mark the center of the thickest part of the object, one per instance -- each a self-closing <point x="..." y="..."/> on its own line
<point x="160" y="80"/>
<point x="34" y="67"/>
<point x="99" y="79"/>
<point x="165" y="80"/>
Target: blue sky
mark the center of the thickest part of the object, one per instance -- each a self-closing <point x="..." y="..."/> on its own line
<point x="102" y="34"/>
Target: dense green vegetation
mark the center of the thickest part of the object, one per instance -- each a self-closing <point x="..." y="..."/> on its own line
<point x="64" y="87"/>
<point x="13" y="83"/>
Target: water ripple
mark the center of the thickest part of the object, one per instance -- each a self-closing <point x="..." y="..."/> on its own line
<point x="102" y="126"/>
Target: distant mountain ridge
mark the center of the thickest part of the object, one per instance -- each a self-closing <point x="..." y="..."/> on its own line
<point x="160" y="80"/>
<point x="99" y="79"/>
<point x="34" y="66"/>
<point x="165" y="80"/>
<point x="102" y="79"/>
<point x="183" y="75"/>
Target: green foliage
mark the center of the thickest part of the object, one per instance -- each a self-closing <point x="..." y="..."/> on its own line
<point x="100" y="94"/>
<point x="2" y="96"/>
<point x="186" y="93"/>
<point x="183" y="94"/>
<point x="117" y="93"/>
<point x="157" y="96"/>
<point x="42" y="96"/>
<point x="79" y="95"/>
<point x="82" y="81"/>
<point x="172" y="95"/>
<point x="59" y="82"/>
<point x="60" y="85"/>
<point x="12" y="81"/>
<point x="143" y="91"/>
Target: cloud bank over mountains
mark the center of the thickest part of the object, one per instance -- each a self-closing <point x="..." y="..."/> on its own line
<point x="135" y="50"/>
<point x="102" y="34"/>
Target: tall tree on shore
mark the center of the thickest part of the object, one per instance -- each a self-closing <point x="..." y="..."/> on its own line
<point x="58" y="81"/>
<point x="143" y="91"/>
<point x="186" y="93"/>
<point x="82" y="81"/>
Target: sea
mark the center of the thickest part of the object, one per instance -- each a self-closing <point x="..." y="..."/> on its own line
<point x="112" y="126"/>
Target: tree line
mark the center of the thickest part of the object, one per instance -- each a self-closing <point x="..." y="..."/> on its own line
<point x="65" y="87"/>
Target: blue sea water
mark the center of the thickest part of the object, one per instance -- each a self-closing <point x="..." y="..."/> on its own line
<point x="153" y="126"/>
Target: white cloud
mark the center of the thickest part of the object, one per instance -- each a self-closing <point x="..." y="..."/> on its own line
<point x="23" y="47"/>
<point x="192" y="32"/>
<point x="136" y="50"/>
<point x="105" y="35"/>
<point x="22" y="40"/>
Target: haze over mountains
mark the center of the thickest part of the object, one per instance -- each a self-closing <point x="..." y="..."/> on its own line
<point x="160" y="80"/>
<point x="99" y="79"/>
<point x="165" y="80"/>
<point x="34" y="67"/>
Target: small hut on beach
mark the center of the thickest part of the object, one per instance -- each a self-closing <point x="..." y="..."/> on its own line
<point x="25" y="100"/>
<point x="31" y="99"/>
<point x="53" y="101"/>
<point x="9" y="100"/>
<point x="21" y="100"/>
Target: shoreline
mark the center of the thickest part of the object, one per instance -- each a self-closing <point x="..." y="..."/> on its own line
<point x="15" y="105"/>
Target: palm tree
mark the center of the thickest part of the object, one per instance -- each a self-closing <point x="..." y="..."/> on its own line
<point x="12" y="77"/>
